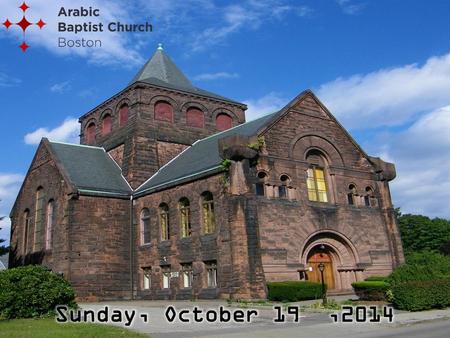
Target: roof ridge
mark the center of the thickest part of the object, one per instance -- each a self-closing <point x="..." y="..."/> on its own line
<point x="77" y="145"/>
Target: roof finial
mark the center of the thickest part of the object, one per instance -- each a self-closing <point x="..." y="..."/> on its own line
<point x="160" y="46"/>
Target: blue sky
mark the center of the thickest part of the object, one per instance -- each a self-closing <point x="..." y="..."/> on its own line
<point x="382" y="67"/>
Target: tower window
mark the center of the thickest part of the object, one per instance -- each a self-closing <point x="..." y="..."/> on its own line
<point x="163" y="111"/>
<point x="90" y="133"/>
<point x="223" y="122"/>
<point x="195" y="117"/>
<point x="123" y="114"/>
<point x="106" y="124"/>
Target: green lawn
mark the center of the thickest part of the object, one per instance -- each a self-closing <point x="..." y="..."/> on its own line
<point x="44" y="328"/>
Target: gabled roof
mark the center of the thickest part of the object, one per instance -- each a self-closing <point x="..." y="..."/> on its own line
<point x="90" y="169"/>
<point x="200" y="159"/>
<point x="161" y="71"/>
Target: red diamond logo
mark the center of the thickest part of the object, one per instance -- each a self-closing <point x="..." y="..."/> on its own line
<point x="24" y="7"/>
<point x="7" y="24"/>
<point x="24" y="46"/>
<point x="24" y="23"/>
<point x="41" y="23"/>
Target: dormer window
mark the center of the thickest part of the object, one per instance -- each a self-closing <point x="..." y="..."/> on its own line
<point x="123" y="114"/>
<point x="163" y="111"/>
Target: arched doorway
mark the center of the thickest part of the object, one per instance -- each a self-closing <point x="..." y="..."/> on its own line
<point x="321" y="256"/>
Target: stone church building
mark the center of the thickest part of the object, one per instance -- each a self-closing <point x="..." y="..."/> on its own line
<point x="172" y="195"/>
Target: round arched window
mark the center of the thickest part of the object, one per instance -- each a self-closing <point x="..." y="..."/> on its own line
<point x="106" y="124"/>
<point x="90" y="133"/>
<point x="195" y="117"/>
<point x="223" y="122"/>
<point x="163" y="111"/>
<point x="123" y="114"/>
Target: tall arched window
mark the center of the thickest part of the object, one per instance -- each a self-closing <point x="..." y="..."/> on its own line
<point x="26" y="230"/>
<point x="316" y="182"/>
<point x="163" y="111"/>
<point x="185" y="217"/>
<point x="164" y="221"/>
<point x="49" y="226"/>
<point x="123" y="114"/>
<point x="145" y="226"/>
<point x="90" y="133"/>
<point x="209" y="220"/>
<point x="223" y="122"/>
<point x="106" y="124"/>
<point x="195" y="117"/>
<point x="351" y="194"/>
<point x="38" y="219"/>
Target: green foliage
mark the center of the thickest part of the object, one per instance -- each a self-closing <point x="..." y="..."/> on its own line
<point x="225" y="165"/>
<point x="371" y="290"/>
<point x="32" y="291"/>
<point x="422" y="295"/>
<point x="294" y="291"/>
<point x="420" y="233"/>
<point x="376" y="279"/>
<point x="421" y="266"/>
<point x="258" y="144"/>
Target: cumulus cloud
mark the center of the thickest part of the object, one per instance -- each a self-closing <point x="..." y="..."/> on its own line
<point x="216" y="76"/>
<point x="264" y="105"/>
<point x="421" y="154"/>
<point x="68" y="131"/>
<point x="389" y="97"/>
<point x="117" y="48"/>
<point x="60" y="87"/>
<point x="9" y="187"/>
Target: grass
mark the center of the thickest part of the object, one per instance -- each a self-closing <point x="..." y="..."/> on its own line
<point x="48" y="327"/>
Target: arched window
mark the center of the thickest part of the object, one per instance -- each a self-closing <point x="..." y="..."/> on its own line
<point x="209" y="221"/>
<point x="38" y="220"/>
<point x="260" y="186"/>
<point x="90" y="133"/>
<point x="282" y="189"/>
<point x="123" y="114"/>
<point x="49" y="226"/>
<point x="351" y="194"/>
<point x="195" y="117"/>
<point x="316" y="182"/>
<point x="106" y="124"/>
<point x="164" y="221"/>
<point x="145" y="226"/>
<point x="223" y="122"/>
<point x="369" y="199"/>
<point x="26" y="230"/>
<point x="163" y="111"/>
<point x="185" y="217"/>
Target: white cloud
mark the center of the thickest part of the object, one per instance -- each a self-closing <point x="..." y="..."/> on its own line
<point x="117" y="48"/>
<point x="9" y="187"/>
<point x="351" y="7"/>
<point x="216" y="76"/>
<point x="390" y="96"/>
<point x="421" y="155"/>
<point x="68" y="131"/>
<point x="9" y="81"/>
<point x="264" y="105"/>
<point x="60" y="87"/>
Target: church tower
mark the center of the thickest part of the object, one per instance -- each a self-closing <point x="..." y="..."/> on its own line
<point x="155" y="117"/>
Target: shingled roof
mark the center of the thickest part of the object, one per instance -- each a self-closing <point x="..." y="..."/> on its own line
<point x="161" y="71"/>
<point x="199" y="160"/>
<point x="90" y="169"/>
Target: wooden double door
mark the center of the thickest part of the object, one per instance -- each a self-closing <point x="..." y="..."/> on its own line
<point x="328" y="272"/>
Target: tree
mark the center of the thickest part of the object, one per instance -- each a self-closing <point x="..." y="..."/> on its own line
<point x="420" y="233"/>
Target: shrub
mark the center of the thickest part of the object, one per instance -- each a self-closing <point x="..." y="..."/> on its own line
<point x="32" y="291"/>
<point x="376" y="279"/>
<point x="294" y="291"/>
<point x="422" y="295"/>
<point x="371" y="290"/>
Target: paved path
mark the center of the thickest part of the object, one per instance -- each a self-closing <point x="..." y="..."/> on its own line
<point x="434" y="323"/>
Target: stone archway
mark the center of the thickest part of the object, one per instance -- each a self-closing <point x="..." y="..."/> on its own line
<point x="338" y="255"/>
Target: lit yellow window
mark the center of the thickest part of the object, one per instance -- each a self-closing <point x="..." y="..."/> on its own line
<point x="317" y="188"/>
<point x="185" y="217"/>
<point x="164" y="222"/>
<point x="209" y="221"/>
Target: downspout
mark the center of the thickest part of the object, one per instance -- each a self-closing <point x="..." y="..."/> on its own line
<point x="131" y="249"/>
